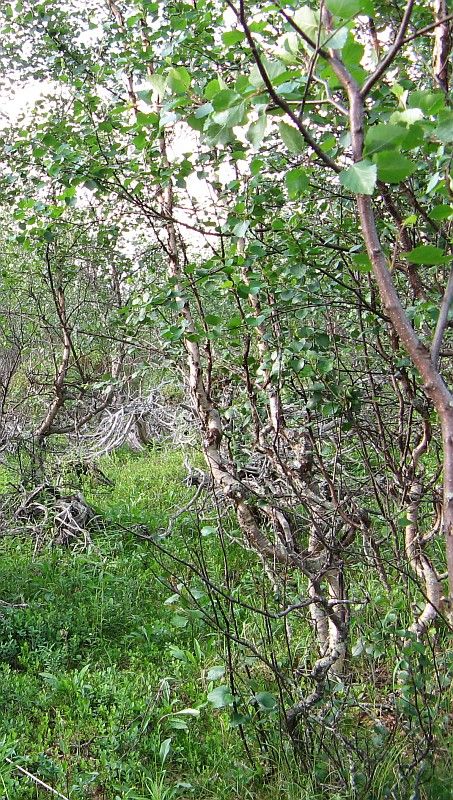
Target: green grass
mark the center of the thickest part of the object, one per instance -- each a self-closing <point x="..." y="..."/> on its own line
<point x="95" y="668"/>
<point x="98" y="658"/>
<point x="147" y="489"/>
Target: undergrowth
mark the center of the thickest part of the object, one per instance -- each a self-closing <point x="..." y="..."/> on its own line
<point x="105" y="672"/>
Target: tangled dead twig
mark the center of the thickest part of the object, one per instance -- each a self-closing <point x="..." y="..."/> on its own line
<point x="46" y="512"/>
<point x="135" y="423"/>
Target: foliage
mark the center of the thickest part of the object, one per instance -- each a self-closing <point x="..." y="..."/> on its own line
<point x="256" y="201"/>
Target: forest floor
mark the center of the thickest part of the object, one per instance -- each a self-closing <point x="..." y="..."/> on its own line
<point x="105" y="674"/>
<point x="103" y="684"/>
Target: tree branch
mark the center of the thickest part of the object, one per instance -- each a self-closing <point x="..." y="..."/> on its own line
<point x="442" y="321"/>
<point x="391" y="53"/>
<point x="427" y="29"/>
<point x="279" y="101"/>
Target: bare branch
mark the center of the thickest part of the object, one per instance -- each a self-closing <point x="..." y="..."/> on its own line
<point x="442" y="321"/>
<point x="427" y="29"/>
<point x="36" y="780"/>
<point x="391" y="53"/>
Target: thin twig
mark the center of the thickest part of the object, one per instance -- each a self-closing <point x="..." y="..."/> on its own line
<point x="427" y="29"/>
<point x="183" y="509"/>
<point x="442" y="320"/>
<point x="13" y="605"/>
<point x="391" y="53"/>
<point x="278" y="100"/>
<point x="36" y="780"/>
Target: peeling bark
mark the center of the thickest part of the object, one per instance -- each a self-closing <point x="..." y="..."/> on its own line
<point x="442" y="45"/>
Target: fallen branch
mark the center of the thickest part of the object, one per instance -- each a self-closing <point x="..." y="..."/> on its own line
<point x="36" y="780"/>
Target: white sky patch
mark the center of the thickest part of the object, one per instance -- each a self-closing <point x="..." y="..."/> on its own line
<point x="229" y="19"/>
<point x="21" y="102"/>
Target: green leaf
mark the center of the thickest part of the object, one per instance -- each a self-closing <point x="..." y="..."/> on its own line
<point x="254" y="322"/>
<point x="410" y="220"/>
<point x="174" y="598"/>
<point x="292" y="138"/>
<point x="360" y="178"/>
<point x="426" y="254"/>
<point x="288" y="48"/>
<point x="238" y="719"/>
<point x="444" y="130"/>
<point x="90" y="184"/>
<point x="241" y="228"/>
<point x="225" y="99"/>
<point x="278" y="225"/>
<point x="147" y="120"/>
<point x="232" y="37"/>
<point x="256" y="131"/>
<point x="158" y="83"/>
<point x="358" y="648"/>
<point x="266" y="701"/>
<point x="178" y="621"/>
<point x="189" y="712"/>
<point x="213" y="87"/>
<point x="273" y="67"/>
<point x="394" y="167"/>
<point x="197" y="120"/>
<point x="407" y="117"/>
<point x="256" y="166"/>
<point x="343" y="8"/>
<point x="296" y="182"/>
<point x="215" y="673"/>
<point x="203" y="110"/>
<point x="213" y="319"/>
<point x="221" y="697"/>
<point x="361" y="262"/>
<point x="51" y="141"/>
<point x="441" y="212"/>
<point x="140" y="141"/>
<point x="433" y="182"/>
<point x="429" y="102"/>
<point x="164" y="750"/>
<point x="178" y="724"/>
<point x="414" y="137"/>
<point x="178" y="79"/>
<point x="208" y="530"/>
<point x="196" y="124"/>
<point x="352" y="54"/>
<point x="349" y="8"/>
<point x="308" y="21"/>
<point x="325" y="365"/>
<point x="131" y="21"/>
<point x="337" y="39"/>
<point x="383" y="137"/>
<point x="167" y="118"/>
<point x="235" y="115"/>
